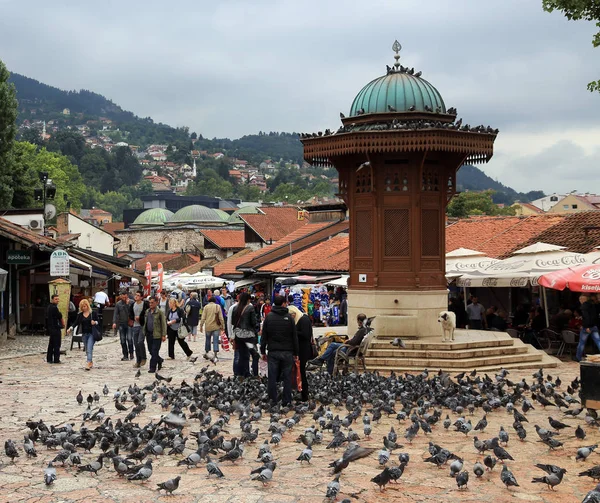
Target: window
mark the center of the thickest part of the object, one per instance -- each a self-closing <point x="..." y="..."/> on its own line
<point x="574" y="206"/>
<point x="166" y="246"/>
<point x="130" y="247"/>
<point x="565" y="206"/>
<point x="553" y="198"/>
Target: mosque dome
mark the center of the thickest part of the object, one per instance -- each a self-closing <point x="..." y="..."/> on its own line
<point x="400" y="90"/>
<point x="234" y="218"/>
<point x="223" y="214"/>
<point x="196" y="213"/>
<point x="153" y="216"/>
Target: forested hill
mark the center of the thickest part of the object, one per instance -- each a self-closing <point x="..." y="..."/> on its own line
<point x="41" y="102"/>
<point x="473" y="179"/>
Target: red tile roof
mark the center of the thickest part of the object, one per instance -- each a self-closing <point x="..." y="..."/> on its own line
<point x="23" y="235"/>
<point x="225" y="239"/>
<point x="331" y="255"/>
<point x="113" y="226"/>
<point x="197" y="267"/>
<point x="571" y="232"/>
<point x="228" y="266"/>
<point x="497" y="236"/>
<point x="274" y="222"/>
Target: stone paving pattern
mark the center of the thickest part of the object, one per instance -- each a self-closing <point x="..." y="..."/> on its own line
<point x="33" y="389"/>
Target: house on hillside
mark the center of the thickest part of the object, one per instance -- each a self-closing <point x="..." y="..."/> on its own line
<point x="525" y="209"/>
<point x="546" y="202"/>
<point x="575" y="203"/>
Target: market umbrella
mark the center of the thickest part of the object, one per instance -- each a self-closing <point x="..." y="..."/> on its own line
<point x="463" y="260"/>
<point x="204" y="281"/>
<point x="582" y="278"/>
<point x="524" y="266"/>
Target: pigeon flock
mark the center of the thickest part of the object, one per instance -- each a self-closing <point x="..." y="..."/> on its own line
<point x="214" y="422"/>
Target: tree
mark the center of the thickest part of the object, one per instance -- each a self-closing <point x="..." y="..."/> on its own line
<point x="575" y="10"/>
<point x="466" y="204"/>
<point x="32" y="135"/>
<point x="28" y="162"/>
<point x="8" y="131"/>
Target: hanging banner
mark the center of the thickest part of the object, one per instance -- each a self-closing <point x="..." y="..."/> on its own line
<point x="59" y="263"/>
<point x="148" y="279"/>
<point x="161" y="275"/>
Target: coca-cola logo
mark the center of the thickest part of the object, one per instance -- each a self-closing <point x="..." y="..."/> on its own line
<point x="560" y="262"/>
<point x="473" y="266"/>
<point x="592" y="274"/>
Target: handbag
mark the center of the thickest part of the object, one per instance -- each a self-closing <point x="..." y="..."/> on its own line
<point x="224" y="341"/>
<point x="96" y="334"/>
<point x="296" y="376"/>
<point x="242" y="333"/>
<point x="130" y="322"/>
<point x="182" y="331"/>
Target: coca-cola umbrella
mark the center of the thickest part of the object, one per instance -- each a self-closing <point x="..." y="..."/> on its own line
<point x="581" y="278"/>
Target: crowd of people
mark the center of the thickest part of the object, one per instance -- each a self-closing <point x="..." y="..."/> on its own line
<point x="583" y="319"/>
<point x="275" y="331"/>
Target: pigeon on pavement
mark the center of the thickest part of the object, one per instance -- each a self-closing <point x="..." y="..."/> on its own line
<point x="170" y="485"/>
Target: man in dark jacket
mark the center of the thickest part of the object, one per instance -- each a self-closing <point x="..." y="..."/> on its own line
<point x="589" y="325"/>
<point x="54" y="325"/>
<point x="279" y="338"/>
<point x="121" y="317"/>
<point x="329" y="354"/>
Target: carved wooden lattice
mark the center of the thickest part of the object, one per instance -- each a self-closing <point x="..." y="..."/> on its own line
<point x="395" y="180"/>
<point x="430" y="233"/>
<point x="363" y="181"/>
<point x="343" y="186"/>
<point x="431" y="181"/>
<point x="363" y="242"/>
<point x="397" y="233"/>
<point x="450" y="189"/>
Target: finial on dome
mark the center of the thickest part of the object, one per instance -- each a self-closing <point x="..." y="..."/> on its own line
<point x="396" y="47"/>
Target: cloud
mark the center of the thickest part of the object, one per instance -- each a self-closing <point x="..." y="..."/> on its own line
<point x="235" y="67"/>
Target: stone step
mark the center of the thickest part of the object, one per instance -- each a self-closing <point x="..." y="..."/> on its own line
<point x="498" y="361"/>
<point x="485" y="341"/>
<point x="545" y="361"/>
<point x="384" y="350"/>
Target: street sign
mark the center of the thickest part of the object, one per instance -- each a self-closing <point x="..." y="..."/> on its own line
<point x="21" y="257"/>
<point x="59" y="263"/>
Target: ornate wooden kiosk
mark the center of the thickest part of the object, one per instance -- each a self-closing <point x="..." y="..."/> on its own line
<point x="397" y="154"/>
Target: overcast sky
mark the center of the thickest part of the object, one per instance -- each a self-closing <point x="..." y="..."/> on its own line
<point x="235" y="67"/>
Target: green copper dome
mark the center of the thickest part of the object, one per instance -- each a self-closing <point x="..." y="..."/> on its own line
<point x="153" y="216"/>
<point x="196" y="213"/>
<point x="399" y="90"/>
<point x="223" y="214"/>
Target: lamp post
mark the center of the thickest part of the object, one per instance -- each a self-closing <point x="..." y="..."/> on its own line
<point x="46" y="192"/>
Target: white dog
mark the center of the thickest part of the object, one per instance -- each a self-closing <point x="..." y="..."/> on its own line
<point x="448" y="321"/>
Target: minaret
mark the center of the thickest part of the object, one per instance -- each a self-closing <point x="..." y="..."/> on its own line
<point x="194" y="169"/>
<point x="44" y="131"/>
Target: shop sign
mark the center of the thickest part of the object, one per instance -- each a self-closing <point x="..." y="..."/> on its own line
<point x="59" y="263"/>
<point x="20" y="257"/>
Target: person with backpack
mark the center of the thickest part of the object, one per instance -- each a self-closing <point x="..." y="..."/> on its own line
<point x="192" y="311"/>
<point x="176" y="318"/>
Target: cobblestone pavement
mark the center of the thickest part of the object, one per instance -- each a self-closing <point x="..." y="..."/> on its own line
<point x="33" y="389"/>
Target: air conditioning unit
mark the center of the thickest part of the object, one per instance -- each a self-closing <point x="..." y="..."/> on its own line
<point x="36" y="224"/>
